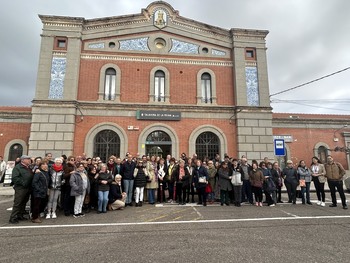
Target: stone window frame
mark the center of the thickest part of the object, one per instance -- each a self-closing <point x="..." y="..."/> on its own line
<point x="12" y="142"/>
<point x="213" y="87"/>
<point x="251" y="50"/>
<point x="89" y="138"/>
<point x="207" y="128"/>
<point x="175" y="150"/>
<point x="166" y="87"/>
<point x="101" y="89"/>
<point x="318" y="145"/>
<point x="58" y="40"/>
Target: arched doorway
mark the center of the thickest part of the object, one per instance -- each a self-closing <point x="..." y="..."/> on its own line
<point x="106" y="143"/>
<point x="158" y="143"/>
<point x="207" y="145"/>
<point x="322" y="153"/>
<point x="16" y="150"/>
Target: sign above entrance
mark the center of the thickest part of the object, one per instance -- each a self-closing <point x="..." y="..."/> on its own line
<point x="158" y="115"/>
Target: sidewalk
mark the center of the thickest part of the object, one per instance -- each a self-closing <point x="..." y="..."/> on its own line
<point x="6" y="190"/>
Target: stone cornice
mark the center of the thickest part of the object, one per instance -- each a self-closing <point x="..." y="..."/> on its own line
<point x="158" y="60"/>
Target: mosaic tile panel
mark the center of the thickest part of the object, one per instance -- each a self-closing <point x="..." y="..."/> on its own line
<point x="58" y="72"/>
<point x="218" y="52"/>
<point x="97" y="45"/>
<point x="183" y="47"/>
<point x="251" y="75"/>
<point x="138" y="44"/>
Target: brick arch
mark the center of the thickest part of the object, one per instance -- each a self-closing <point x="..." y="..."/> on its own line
<point x="159" y="127"/>
<point x="89" y="139"/>
<point x="12" y="142"/>
<point x="207" y="128"/>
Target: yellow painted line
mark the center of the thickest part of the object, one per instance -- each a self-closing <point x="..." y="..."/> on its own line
<point x="177" y="218"/>
<point x="154" y="219"/>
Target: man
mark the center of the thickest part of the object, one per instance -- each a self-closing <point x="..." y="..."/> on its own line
<point x="335" y="173"/>
<point x="2" y="169"/>
<point x="244" y="169"/>
<point x="22" y="177"/>
<point x="128" y="179"/>
<point x="118" y="166"/>
<point x="48" y="156"/>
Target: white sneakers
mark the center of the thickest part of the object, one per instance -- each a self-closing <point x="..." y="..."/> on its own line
<point x="318" y="202"/>
<point x="53" y="215"/>
<point x="48" y="216"/>
<point x="323" y="204"/>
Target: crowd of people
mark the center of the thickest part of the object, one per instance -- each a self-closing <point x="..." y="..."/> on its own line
<point x="79" y="185"/>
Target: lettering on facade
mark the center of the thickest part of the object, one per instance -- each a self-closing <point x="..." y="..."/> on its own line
<point x="158" y="115"/>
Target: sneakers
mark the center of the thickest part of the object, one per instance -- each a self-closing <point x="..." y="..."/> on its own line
<point x="256" y="203"/>
<point x="260" y="204"/>
<point x="76" y="215"/>
<point x="323" y="204"/>
<point x="319" y="202"/>
<point x="53" y="215"/>
<point x="272" y="205"/>
<point x="42" y="214"/>
<point x="48" y="215"/>
<point x="80" y="215"/>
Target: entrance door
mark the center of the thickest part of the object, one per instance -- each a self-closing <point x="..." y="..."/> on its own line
<point x="158" y="143"/>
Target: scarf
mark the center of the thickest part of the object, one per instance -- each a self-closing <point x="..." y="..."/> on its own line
<point x="57" y="168"/>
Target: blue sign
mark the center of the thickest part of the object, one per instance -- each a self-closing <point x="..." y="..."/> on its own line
<point x="279" y="147"/>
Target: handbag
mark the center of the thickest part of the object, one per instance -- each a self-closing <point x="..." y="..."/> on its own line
<point x="202" y="180"/>
<point x="302" y="183"/>
<point x="87" y="199"/>
<point x="236" y="178"/>
<point x="322" y="179"/>
<point x="208" y="189"/>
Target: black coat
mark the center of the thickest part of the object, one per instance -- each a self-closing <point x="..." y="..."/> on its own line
<point x="40" y="184"/>
<point x="185" y="181"/>
<point x="115" y="193"/>
<point x="140" y="178"/>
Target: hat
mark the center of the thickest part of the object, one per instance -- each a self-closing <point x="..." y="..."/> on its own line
<point x="25" y="157"/>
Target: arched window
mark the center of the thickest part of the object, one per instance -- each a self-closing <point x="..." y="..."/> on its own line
<point x="16" y="150"/>
<point x="106" y="143"/>
<point x="207" y="145"/>
<point x="159" y="86"/>
<point x="110" y="78"/>
<point x="206" y="88"/>
<point x="158" y="143"/>
<point x="322" y="154"/>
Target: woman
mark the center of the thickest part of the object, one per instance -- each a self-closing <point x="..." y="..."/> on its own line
<point x="139" y="182"/>
<point x="67" y="199"/>
<point x="116" y="195"/>
<point x="93" y="203"/>
<point x="276" y="174"/>
<point x="269" y="184"/>
<point x="80" y="185"/>
<point x="190" y="189"/>
<point x="212" y="181"/>
<point x="103" y="179"/>
<point x="225" y="183"/>
<point x="256" y="179"/>
<point x="182" y="177"/>
<point x="40" y="185"/>
<point x="161" y="170"/>
<point x="305" y="175"/>
<point x="291" y="181"/>
<point x="56" y="174"/>
<point x="237" y="183"/>
<point x="152" y="182"/>
<point x="200" y="181"/>
<point x="318" y="176"/>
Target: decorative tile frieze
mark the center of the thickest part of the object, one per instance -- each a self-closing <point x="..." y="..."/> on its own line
<point x="97" y="45"/>
<point x="183" y="47"/>
<point x="218" y="52"/>
<point x="58" y="72"/>
<point x="138" y="44"/>
<point x="251" y="74"/>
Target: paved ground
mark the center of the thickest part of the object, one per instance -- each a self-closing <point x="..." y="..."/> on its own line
<point x="173" y="233"/>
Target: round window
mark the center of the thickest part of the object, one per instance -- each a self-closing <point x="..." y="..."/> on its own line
<point x="159" y="43"/>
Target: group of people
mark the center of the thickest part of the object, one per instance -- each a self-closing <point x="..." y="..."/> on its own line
<point x="77" y="184"/>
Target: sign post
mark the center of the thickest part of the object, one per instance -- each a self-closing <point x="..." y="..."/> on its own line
<point x="279" y="147"/>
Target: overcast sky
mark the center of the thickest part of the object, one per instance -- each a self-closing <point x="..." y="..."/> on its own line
<point x="308" y="39"/>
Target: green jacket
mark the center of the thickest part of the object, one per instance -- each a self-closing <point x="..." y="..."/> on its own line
<point x="22" y="176"/>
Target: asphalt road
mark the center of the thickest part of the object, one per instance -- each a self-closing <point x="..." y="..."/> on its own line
<point x="172" y="233"/>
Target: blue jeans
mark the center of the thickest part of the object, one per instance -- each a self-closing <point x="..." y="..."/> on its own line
<point x="129" y="189"/>
<point x="306" y="190"/>
<point x="102" y="200"/>
<point x="150" y="195"/>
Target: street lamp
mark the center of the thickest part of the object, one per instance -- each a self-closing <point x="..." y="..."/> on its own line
<point x="336" y="139"/>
